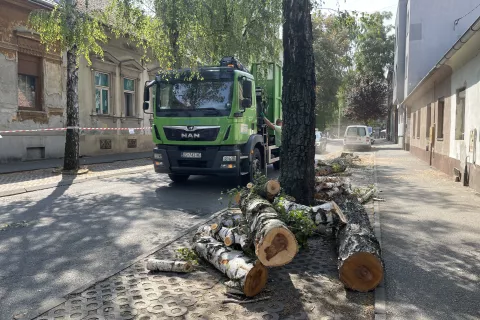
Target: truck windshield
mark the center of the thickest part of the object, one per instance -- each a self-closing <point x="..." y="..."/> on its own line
<point x="197" y="97"/>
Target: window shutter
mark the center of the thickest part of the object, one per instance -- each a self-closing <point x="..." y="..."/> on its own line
<point x="29" y="65"/>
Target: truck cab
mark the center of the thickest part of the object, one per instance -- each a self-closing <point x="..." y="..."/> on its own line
<point x="208" y="122"/>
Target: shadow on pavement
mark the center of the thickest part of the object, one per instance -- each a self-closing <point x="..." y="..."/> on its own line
<point x="430" y="241"/>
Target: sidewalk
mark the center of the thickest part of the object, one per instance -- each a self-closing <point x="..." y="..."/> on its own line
<point x="27" y="181"/>
<point x="430" y="240"/>
<point x="55" y="163"/>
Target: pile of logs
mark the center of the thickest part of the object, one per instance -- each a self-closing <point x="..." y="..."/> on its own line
<point x="243" y="242"/>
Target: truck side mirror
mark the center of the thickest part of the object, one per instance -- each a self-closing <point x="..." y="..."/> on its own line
<point x="246" y="103"/>
<point x="146" y="95"/>
<point x="146" y="105"/>
<point x="247" y="90"/>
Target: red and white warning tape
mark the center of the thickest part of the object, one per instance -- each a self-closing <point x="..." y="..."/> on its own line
<point x="80" y="128"/>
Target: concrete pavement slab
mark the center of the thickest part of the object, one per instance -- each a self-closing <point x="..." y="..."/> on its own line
<point x="430" y="231"/>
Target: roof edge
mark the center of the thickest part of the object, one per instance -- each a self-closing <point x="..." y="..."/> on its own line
<point x="474" y="28"/>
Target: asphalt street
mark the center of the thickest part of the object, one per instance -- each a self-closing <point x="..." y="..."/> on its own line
<point x="57" y="240"/>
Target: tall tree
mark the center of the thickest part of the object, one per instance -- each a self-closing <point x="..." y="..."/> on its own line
<point x="366" y="100"/>
<point x="374" y="52"/>
<point x="298" y="138"/>
<point x="69" y="28"/>
<point x="332" y="47"/>
<point x="170" y="32"/>
<point x="191" y="32"/>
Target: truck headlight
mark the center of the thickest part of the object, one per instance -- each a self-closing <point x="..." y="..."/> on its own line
<point x="157" y="156"/>
<point x="229" y="158"/>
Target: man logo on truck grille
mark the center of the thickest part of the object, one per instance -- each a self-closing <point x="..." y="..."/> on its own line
<point x="190" y="128"/>
<point x="191" y="135"/>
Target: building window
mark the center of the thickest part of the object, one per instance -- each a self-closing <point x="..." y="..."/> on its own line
<point x="460" y="115"/>
<point x="441" y="107"/>
<point x="429" y="121"/>
<point x="419" y="120"/>
<point x="29" y="82"/>
<point x="414" y="124"/>
<point x="102" y="89"/>
<point x="129" y="97"/>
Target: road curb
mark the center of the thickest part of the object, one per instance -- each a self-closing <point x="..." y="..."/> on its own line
<point x="63" y="183"/>
<point x="380" y="297"/>
<point x="122" y="267"/>
<point x="12" y="192"/>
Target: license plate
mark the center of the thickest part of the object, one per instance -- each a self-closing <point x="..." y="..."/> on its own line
<point x="191" y="155"/>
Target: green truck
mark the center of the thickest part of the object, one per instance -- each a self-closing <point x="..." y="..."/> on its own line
<point x="209" y="121"/>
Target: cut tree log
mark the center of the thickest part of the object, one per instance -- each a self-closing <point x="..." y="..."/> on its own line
<point x="228" y="220"/>
<point x="360" y="263"/>
<point x="249" y="276"/>
<point x="322" y="179"/>
<point x="229" y="236"/>
<point x="169" y="265"/>
<point x="269" y="190"/>
<point x="370" y="193"/>
<point x="325" y="168"/>
<point x="328" y="185"/>
<point x="327" y="213"/>
<point x="275" y="244"/>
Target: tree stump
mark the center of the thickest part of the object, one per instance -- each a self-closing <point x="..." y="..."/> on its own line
<point x="269" y="190"/>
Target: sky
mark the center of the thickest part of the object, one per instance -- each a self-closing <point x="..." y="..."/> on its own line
<point x="364" y="5"/>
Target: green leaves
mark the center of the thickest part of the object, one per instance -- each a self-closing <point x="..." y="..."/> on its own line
<point x="298" y="222"/>
<point x="67" y="26"/>
<point x="375" y="46"/>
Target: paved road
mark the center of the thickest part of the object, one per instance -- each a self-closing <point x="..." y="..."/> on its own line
<point x="60" y="239"/>
<point x="430" y="240"/>
<point x="333" y="146"/>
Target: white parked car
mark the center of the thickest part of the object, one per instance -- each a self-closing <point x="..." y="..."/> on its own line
<point x="357" y="137"/>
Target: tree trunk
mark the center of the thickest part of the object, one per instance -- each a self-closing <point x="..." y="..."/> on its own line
<point x="359" y="255"/>
<point x="169" y="265"/>
<point x="275" y="244"/>
<point x="72" y="141"/>
<point x="298" y="101"/>
<point x="246" y="274"/>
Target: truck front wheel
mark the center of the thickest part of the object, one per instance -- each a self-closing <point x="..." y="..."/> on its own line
<point x="179" y="178"/>
<point x="255" y="165"/>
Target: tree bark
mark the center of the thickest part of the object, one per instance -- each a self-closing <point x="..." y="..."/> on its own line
<point x="360" y="264"/>
<point x="247" y="275"/>
<point x="228" y="220"/>
<point x="169" y="265"/>
<point x="72" y="141"/>
<point x="229" y="236"/>
<point x="298" y="101"/>
<point x="327" y="213"/>
<point x="275" y="244"/>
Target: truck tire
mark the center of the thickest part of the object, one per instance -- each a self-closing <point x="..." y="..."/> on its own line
<point x="179" y="178"/>
<point x="243" y="180"/>
<point x="255" y="164"/>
